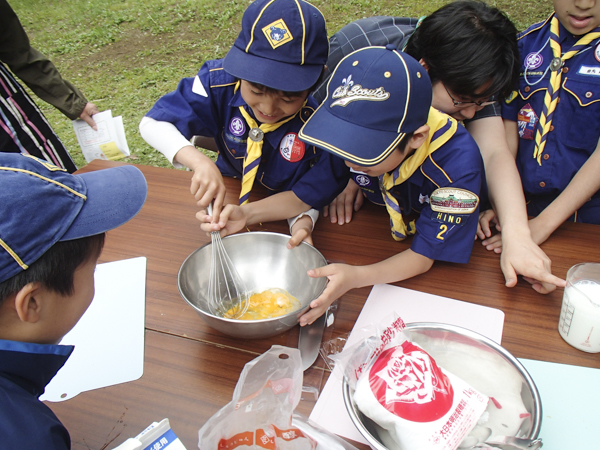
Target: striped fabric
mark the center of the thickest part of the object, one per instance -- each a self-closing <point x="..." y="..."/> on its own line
<point x="23" y="127"/>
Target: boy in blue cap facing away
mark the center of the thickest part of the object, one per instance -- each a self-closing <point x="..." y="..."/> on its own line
<point x="253" y="103"/>
<point x="422" y="163"/>
<point x="51" y="235"/>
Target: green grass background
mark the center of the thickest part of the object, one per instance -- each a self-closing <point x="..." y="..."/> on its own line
<point x="125" y="54"/>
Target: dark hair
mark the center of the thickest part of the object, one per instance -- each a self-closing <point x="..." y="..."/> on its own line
<point x="55" y="269"/>
<point x="404" y="142"/>
<point x="467" y="44"/>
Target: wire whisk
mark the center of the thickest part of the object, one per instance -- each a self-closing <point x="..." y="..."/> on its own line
<point x="227" y="293"/>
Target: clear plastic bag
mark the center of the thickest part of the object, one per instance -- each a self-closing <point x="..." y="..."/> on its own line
<point x="261" y="412"/>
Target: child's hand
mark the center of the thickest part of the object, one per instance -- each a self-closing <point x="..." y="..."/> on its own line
<point x="301" y="231"/>
<point x="487" y="220"/>
<point x="341" y="208"/>
<point x="231" y="220"/>
<point x="207" y="184"/>
<point x="341" y="280"/>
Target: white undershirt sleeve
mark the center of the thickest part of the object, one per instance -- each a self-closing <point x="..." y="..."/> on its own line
<point x="164" y="137"/>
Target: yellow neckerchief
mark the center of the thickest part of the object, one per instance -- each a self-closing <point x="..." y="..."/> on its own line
<point x="410" y="165"/>
<point x="551" y="97"/>
<point x="254" y="148"/>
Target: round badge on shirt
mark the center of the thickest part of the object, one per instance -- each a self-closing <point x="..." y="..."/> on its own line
<point x="291" y="148"/>
<point x="237" y="126"/>
<point x="533" y="60"/>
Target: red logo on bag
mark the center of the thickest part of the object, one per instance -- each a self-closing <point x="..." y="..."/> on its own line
<point x="409" y="384"/>
<point x="246" y="438"/>
<point x="291" y="148"/>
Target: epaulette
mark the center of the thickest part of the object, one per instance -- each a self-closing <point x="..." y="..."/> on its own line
<point x="218" y="76"/>
<point x="534" y="27"/>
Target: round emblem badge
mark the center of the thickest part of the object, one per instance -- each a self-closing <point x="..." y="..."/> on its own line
<point x="291" y="148"/>
<point x="362" y="180"/>
<point x="533" y="61"/>
<point x="597" y="52"/>
<point x="237" y="126"/>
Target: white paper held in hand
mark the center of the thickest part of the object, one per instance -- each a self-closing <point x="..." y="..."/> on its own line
<point x="109" y="142"/>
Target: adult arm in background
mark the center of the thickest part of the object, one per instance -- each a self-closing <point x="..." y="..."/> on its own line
<point x="580" y="189"/>
<point x="38" y="72"/>
<point x="520" y="253"/>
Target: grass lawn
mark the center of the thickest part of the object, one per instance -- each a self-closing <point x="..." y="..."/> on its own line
<point x="125" y="54"/>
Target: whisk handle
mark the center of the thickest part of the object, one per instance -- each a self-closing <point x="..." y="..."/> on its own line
<point x="209" y="209"/>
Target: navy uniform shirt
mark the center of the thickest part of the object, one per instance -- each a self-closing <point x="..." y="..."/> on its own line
<point x="575" y="126"/>
<point x="207" y="105"/>
<point x="25" y="371"/>
<point x="441" y="235"/>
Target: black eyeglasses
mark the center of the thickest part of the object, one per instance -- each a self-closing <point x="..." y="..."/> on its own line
<point x="458" y="104"/>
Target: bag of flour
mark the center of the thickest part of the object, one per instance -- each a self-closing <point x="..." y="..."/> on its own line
<point x="399" y="386"/>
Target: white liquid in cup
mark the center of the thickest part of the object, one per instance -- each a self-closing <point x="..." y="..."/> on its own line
<point x="579" y="322"/>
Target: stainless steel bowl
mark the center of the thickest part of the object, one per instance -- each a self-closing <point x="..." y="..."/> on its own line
<point x="434" y="338"/>
<point x="263" y="262"/>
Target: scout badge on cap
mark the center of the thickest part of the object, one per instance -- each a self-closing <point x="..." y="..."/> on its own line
<point x="283" y="45"/>
<point x="374" y="97"/>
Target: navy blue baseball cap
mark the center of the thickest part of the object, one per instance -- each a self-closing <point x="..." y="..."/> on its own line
<point x="42" y="204"/>
<point x="283" y="45"/>
<point x="374" y="97"/>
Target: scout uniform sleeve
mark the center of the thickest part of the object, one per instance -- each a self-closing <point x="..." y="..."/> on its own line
<point x="35" y="69"/>
<point x="191" y="107"/>
<point x="446" y="227"/>
<point x="323" y="182"/>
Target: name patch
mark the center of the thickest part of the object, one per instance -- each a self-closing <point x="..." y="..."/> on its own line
<point x="589" y="70"/>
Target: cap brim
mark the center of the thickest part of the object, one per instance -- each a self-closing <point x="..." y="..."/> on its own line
<point x="114" y="196"/>
<point x="274" y="74"/>
<point x="362" y="146"/>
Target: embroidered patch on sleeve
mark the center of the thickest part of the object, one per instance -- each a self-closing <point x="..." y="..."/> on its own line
<point x="453" y="201"/>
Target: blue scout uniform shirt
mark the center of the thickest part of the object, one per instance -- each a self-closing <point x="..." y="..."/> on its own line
<point x="440" y="235"/>
<point x="575" y="128"/>
<point x="208" y="106"/>
<point x="25" y="370"/>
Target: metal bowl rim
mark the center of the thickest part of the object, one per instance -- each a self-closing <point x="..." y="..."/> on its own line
<point x="298" y="311"/>
<point x="535" y="431"/>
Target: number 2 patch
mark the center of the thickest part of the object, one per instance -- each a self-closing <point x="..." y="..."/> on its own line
<point x="442" y="229"/>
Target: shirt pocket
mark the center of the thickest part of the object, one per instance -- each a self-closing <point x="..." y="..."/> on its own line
<point x="580" y="113"/>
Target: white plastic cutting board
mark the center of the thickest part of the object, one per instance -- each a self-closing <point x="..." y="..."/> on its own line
<point x="109" y="338"/>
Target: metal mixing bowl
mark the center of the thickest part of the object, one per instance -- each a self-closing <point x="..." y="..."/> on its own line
<point x="263" y="262"/>
<point x="434" y="338"/>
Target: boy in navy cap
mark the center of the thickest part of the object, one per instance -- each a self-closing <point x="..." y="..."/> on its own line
<point x="253" y="103"/>
<point x="424" y="166"/>
<point x="51" y="235"/>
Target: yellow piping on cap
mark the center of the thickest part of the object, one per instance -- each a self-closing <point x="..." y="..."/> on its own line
<point x="10" y="251"/>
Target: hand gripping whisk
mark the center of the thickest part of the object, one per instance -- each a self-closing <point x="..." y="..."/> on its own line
<point x="227" y="294"/>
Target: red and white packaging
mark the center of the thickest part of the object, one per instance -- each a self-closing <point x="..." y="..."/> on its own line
<point x="399" y="386"/>
<point x="421" y="405"/>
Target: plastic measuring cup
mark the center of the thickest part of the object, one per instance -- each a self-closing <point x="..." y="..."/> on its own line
<point x="579" y="322"/>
